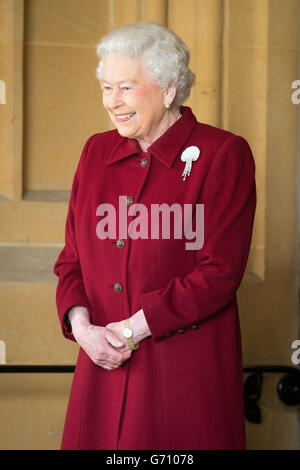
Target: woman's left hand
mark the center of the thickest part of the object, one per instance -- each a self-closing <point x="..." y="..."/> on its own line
<point x="139" y="327"/>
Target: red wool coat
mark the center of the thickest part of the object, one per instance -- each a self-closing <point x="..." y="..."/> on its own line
<point x="183" y="387"/>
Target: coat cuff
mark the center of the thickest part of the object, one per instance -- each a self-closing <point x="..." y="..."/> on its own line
<point x="150" y="307"/>
<point x="154" y="308"/>
<point x="63" y="308"/>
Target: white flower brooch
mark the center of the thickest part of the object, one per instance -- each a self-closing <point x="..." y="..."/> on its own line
<point x="189" y="155"/>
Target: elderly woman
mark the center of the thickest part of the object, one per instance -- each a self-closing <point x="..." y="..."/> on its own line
<point x="156" y="316"/>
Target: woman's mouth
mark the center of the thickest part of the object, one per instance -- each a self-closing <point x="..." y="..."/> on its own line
<point x="124" y="117"/>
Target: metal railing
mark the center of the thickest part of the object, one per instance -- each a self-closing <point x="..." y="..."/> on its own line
<point x="36" y="368"/>
<point x="288" y="387"/>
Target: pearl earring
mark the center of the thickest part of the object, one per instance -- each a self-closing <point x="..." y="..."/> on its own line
<point x="167" y="105"/>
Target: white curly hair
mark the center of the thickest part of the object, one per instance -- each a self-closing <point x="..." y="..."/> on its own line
<point x="164" y="55"/>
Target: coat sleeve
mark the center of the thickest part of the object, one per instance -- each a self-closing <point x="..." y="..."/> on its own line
<point x="229" y="198"/>
<point x="70" y="289"/>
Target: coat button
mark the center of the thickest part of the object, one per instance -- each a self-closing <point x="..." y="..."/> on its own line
<point x="180" y="331"/>
<point x="144" y="162"/>
<point x="195" y="326"/>
<point x="167" y="335"/>
<point x="120" y="243"/>
<point x="117" y="287"/>
<point x="129" y="200"/>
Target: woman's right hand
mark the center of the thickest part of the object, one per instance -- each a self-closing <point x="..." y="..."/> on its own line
<point x="98" y="342"/>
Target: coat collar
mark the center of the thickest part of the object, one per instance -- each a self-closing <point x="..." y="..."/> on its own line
<point x="165" y="148"/>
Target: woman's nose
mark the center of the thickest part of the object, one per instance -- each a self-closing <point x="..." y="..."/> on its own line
<point x="115" y="98"/>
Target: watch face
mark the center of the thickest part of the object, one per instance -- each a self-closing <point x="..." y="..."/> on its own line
<point x="127" y="332"/>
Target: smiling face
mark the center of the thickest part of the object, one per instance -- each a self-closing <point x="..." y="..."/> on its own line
<point x="134" y="103"/>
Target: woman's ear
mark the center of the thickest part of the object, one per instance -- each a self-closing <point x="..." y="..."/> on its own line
<point x="169" y="95"/>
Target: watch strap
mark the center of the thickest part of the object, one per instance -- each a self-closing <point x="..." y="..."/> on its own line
<point x="129" y="340"/>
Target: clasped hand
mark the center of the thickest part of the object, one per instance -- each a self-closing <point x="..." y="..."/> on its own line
<point x="106" y="346"/>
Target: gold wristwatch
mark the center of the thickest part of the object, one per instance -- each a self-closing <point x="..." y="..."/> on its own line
<point x="127" y="332"/>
